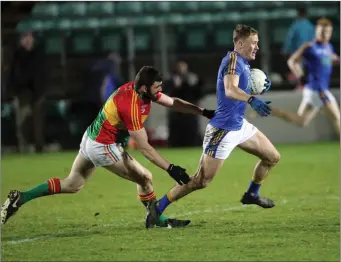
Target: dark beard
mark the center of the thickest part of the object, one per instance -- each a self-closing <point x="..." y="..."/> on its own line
<point x="146" y="97"/>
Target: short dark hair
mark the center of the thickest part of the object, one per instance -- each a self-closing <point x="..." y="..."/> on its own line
<point x="243" y="31"/>
<point x="302" y="11"/>
<point x="147" y="76"/>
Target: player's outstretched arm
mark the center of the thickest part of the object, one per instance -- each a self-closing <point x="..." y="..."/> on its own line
<point x="294" y="60"/>
<point x="141" y="139"/>
<point x="176" y="172"/>
<point x="336" y="59"/>
<point x="183" y="106"/>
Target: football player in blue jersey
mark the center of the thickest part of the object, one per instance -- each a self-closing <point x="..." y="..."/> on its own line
<point x="319" y="56"/>
<point x="229" y="128"/>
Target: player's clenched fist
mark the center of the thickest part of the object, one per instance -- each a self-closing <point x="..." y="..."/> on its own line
<point x="178" y="174"/>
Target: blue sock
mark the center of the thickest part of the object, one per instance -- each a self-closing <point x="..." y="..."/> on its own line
<point x="253" y="189"/>
<point x="163" y="203"/>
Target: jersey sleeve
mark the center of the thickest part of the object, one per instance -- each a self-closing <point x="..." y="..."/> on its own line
<point x="307" y="52"/>
<point x="158" y="96"/>
<point x="130" y="114"/>
<point x="233" y="65"/>
<point x="332" y="49"/>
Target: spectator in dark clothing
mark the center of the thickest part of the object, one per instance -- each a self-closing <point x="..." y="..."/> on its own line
<point x="27" y="86"/>
<point x="103" y="79"/>
<point x="100" y="81"/>
<point x="184" y="129"/>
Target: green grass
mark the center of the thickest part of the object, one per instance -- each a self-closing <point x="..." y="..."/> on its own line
<point x="304" y="225"/>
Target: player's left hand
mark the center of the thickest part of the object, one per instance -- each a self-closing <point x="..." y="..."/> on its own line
<point x="267" y="84"/>
<point x="208" y="113"/>
<point x="178" y="174"/>
<point x="260" y="106"/>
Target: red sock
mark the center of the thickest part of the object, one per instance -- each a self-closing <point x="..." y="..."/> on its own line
<point x="54" y="186"/>
<point x="145" y="199"/>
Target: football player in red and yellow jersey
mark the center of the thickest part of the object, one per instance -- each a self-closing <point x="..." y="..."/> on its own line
<point x="103" y="142"/>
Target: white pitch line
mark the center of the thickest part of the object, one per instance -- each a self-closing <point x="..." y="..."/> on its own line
<point x="29" y="239"/>
<point x="223" y="208"/>
<point x="218" y="208"/>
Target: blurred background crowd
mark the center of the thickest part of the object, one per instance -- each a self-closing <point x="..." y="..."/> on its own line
<point x="62" y="60"/>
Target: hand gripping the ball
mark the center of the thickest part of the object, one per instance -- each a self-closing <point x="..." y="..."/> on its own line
<point x="260" y="106"/>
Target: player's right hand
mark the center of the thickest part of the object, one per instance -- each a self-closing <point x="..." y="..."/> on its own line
<point x="178" y="174"/>
<point x="260" y="106"/>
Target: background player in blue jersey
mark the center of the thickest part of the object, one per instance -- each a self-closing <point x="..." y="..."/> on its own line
<point x="229" y="129"/>
<point x="319" y="56"/>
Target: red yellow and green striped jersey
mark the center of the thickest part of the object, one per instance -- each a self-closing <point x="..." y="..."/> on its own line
<point x="124" y="110"/>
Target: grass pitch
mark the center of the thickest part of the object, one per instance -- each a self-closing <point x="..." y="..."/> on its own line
<point x="304" y="225"/>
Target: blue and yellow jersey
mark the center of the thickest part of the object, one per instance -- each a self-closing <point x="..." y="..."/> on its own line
<point x="230" y="113"/>
<point x="319" y="63"/>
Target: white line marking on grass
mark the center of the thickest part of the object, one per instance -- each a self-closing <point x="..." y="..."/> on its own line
<point x="223" y="208"/>
<point x="19" y="241"/>
<point x="216" y="209"/>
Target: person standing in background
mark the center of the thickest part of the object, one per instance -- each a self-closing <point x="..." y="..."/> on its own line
<point x="300" y="32"/>
<point x="184" y="129"/>
<point x="101" y="79"/>
<point x="27" y="85"/>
